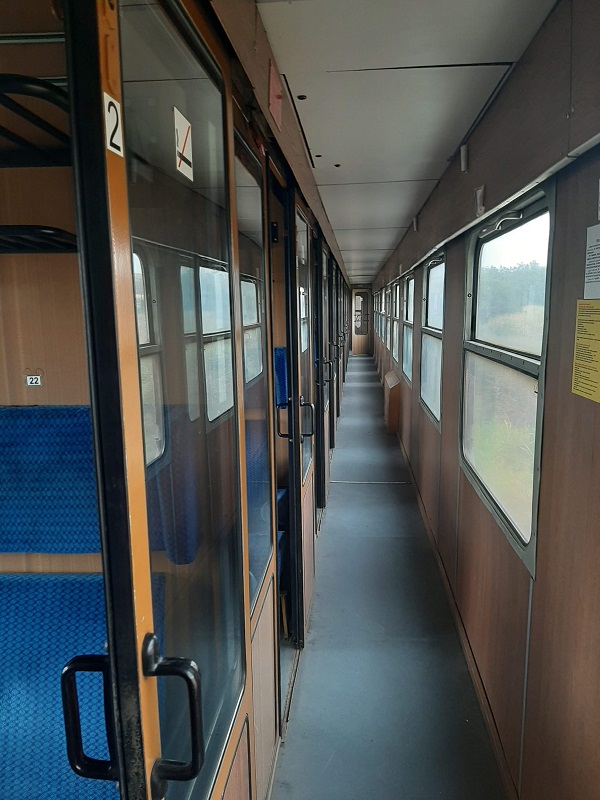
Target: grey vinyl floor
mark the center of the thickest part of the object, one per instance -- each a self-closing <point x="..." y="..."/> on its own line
<point x="383" y="705"/>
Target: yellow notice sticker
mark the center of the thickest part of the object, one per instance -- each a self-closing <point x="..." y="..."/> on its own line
<point x="586" y="359"/>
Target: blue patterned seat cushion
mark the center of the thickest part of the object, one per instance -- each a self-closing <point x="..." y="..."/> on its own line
<point x="45" y="621"/>
<point x="47" y="480"/>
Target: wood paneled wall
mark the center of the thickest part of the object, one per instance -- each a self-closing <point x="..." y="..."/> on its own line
<point x="562" y="733"/>
<point x="41" y="316"/>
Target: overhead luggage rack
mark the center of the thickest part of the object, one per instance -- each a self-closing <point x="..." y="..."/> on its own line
<point x="35" y="239"/>
<point x="33" y="140"/>
<point x="29" y="139"/>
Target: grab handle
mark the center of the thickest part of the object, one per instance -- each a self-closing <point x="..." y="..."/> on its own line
<point x="155" y="665"/>
<point x="82" y="765"/>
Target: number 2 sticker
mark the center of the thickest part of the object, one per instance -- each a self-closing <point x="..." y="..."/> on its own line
<point x="113" y="125"/>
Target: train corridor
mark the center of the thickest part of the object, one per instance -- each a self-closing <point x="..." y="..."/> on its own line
<point x="383" y="704"/>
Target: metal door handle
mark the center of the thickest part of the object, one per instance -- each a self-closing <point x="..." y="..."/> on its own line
<point x="86" y="767"/>
<point x="155" y="665"/>
<point x="329" y="377"/>
<point x="303" y="404"/>
<point x="279" y="431"/>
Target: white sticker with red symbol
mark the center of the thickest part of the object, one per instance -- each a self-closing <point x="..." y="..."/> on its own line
<point x="183" y="145"/>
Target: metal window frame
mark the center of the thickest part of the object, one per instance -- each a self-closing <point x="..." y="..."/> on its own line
<point x="406" y="323"/>
<point x="531" y="204"/>
<point x="433" y="332"/>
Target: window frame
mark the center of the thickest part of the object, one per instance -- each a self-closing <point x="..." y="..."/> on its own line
<point x="532" y="205"/>
<point x="433" y="332"/>
<point x="396" y="306"/>
<point x="256" y="282"/>
<point x="408" y="324"/>
<point x="204" y="262"/>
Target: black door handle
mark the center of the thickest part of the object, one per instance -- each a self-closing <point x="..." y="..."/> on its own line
<point x="155" y="665"/>
<point x="280" y="433"/>
<point x="86" y="767"/>
<point x="303" y="404"/>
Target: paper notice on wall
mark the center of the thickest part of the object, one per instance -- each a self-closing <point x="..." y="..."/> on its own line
<point x="592" y="264"/>
<point x="586" y="358"/>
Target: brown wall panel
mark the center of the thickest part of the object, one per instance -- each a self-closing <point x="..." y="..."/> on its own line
<point x="264" y="692"/>
<point x="562" y="736"/>
<point x="492" y="593"/>
<point x="405" y="414"/>
<point x="454" y="297"/>
<point x="428" y="475"/>
<point x="41" y="317"/>
<point x="585" y="109"/>
<point x="238" y="782"/>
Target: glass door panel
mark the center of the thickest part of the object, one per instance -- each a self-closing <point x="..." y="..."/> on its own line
<point x="256" y="386"/>
<point x="174" y="129"/>
<point x="305" y="317"/>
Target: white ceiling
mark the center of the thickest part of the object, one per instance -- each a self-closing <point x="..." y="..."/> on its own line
<point x="392" y="87"/>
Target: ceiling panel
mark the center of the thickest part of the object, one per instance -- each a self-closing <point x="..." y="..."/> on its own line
<point x="377" y="238"/>
<point x="389" y="125"/>
<point x="370" y="34"/>
<point x="374" y="205"/>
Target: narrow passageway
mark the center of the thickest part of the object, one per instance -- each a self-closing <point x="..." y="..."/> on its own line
<point x="383" y="705"/>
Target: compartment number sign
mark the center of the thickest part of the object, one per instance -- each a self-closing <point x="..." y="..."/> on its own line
<point x="113" y="125"/>
<point x="183" y="145"/>
<point x="33" y="380"/>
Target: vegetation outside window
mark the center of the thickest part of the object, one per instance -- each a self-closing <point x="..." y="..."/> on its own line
<point x="388" y="318"/>
<point x="501" y="404"/>
<point x="431" y="340"/>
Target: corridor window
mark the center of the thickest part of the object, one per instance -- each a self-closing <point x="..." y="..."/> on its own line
<point x="216" y="335"/>
<point x="388" y="318"/>
<point x="407" y="326"/>
<point x="253" y="365"/>
<point x="396" y="313"/>
<point x="431" y="341"/>
<point x="501" y="402"/>
<point x="150" y="361"/>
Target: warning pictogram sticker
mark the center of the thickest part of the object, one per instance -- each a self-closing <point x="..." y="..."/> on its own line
<point x="183" y="145"/>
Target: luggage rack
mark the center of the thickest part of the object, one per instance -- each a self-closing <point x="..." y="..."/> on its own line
<point x="24" y="152"/>
<point x="35" y="239"/>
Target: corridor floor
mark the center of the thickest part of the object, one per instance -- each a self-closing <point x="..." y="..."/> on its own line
<point x="383" y="704"/>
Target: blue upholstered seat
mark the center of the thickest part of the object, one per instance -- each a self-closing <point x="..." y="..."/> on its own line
<point x="47" y="480"/>
<point x="45" y="621"/>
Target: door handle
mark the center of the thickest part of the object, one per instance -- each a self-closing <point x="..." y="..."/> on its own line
<point x="82" y="765"/>
<point x="278" y="418"/>
<point x="329" y="377"/>
<point x="303" y="404"/>
<point x="155" y="665"/>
